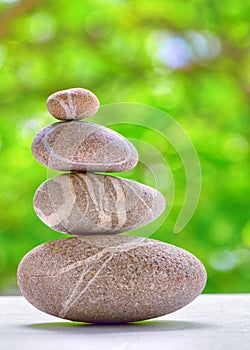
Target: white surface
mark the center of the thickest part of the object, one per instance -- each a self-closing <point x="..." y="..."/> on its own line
<point x="211" y="322"/>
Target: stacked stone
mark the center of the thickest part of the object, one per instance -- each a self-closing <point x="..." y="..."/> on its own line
<point x="97" y="276"/>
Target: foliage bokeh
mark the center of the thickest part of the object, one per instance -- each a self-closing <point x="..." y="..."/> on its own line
<point x="188" y="58"/>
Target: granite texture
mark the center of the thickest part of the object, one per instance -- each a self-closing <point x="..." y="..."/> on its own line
<point x="84" y="204"/>
<point x="72" y="104"/>
<point x="83" y="146"/>
<point x="109" y="279"/>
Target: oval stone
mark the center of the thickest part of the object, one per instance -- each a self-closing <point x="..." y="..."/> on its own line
<point x="90" y="204"/>
<point x="82" y="146"/>
<point x="110" y="279"/>
<point x="72" y="104"/>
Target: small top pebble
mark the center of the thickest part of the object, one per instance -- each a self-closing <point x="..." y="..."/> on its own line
<point x="72" y="104"/>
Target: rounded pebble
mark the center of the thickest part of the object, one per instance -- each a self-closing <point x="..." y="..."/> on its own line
<point x="91" y="204"/>
<point x="72" y="104"/>
<point x="83" y="146"/>
<point x="110" y="279"/>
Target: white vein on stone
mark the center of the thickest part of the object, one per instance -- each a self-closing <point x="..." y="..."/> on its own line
<point x="120" y="203"/>
<point x="68" y="195"/>
<point x="73" y="300"/>
<point x="63" y="105"/>
<point x="140" y="197"/>
<point x="96" y="193"/>
<point x="52" y="152"/>
<point x="79" y="182"/>
<point x="72" y="107"/>
<point x="74" y="296"/>
<point x="92" y="259"/>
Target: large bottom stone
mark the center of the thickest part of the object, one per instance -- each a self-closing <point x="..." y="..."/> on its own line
<point x="108" y="279"/>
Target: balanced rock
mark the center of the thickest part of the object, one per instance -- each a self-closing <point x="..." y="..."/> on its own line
<point x="82" y="146"/>
<point x="110" y="279"/>
<point x="90" y="204"/>
<point x="72" y="104"/>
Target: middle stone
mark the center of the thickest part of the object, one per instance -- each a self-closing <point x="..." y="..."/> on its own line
<point x="89" y="204"/>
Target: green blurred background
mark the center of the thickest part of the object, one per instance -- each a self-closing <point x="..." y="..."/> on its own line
<point x="188" y="58"/>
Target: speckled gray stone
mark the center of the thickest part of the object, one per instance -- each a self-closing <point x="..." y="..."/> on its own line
<point x="72" y="104"/>
<point x="83" y="146"/>
<point x="110" y="279"/>
<point x="84" y="204"/>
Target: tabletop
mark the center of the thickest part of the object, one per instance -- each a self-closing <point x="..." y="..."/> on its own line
<point x="211" y="322"/>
